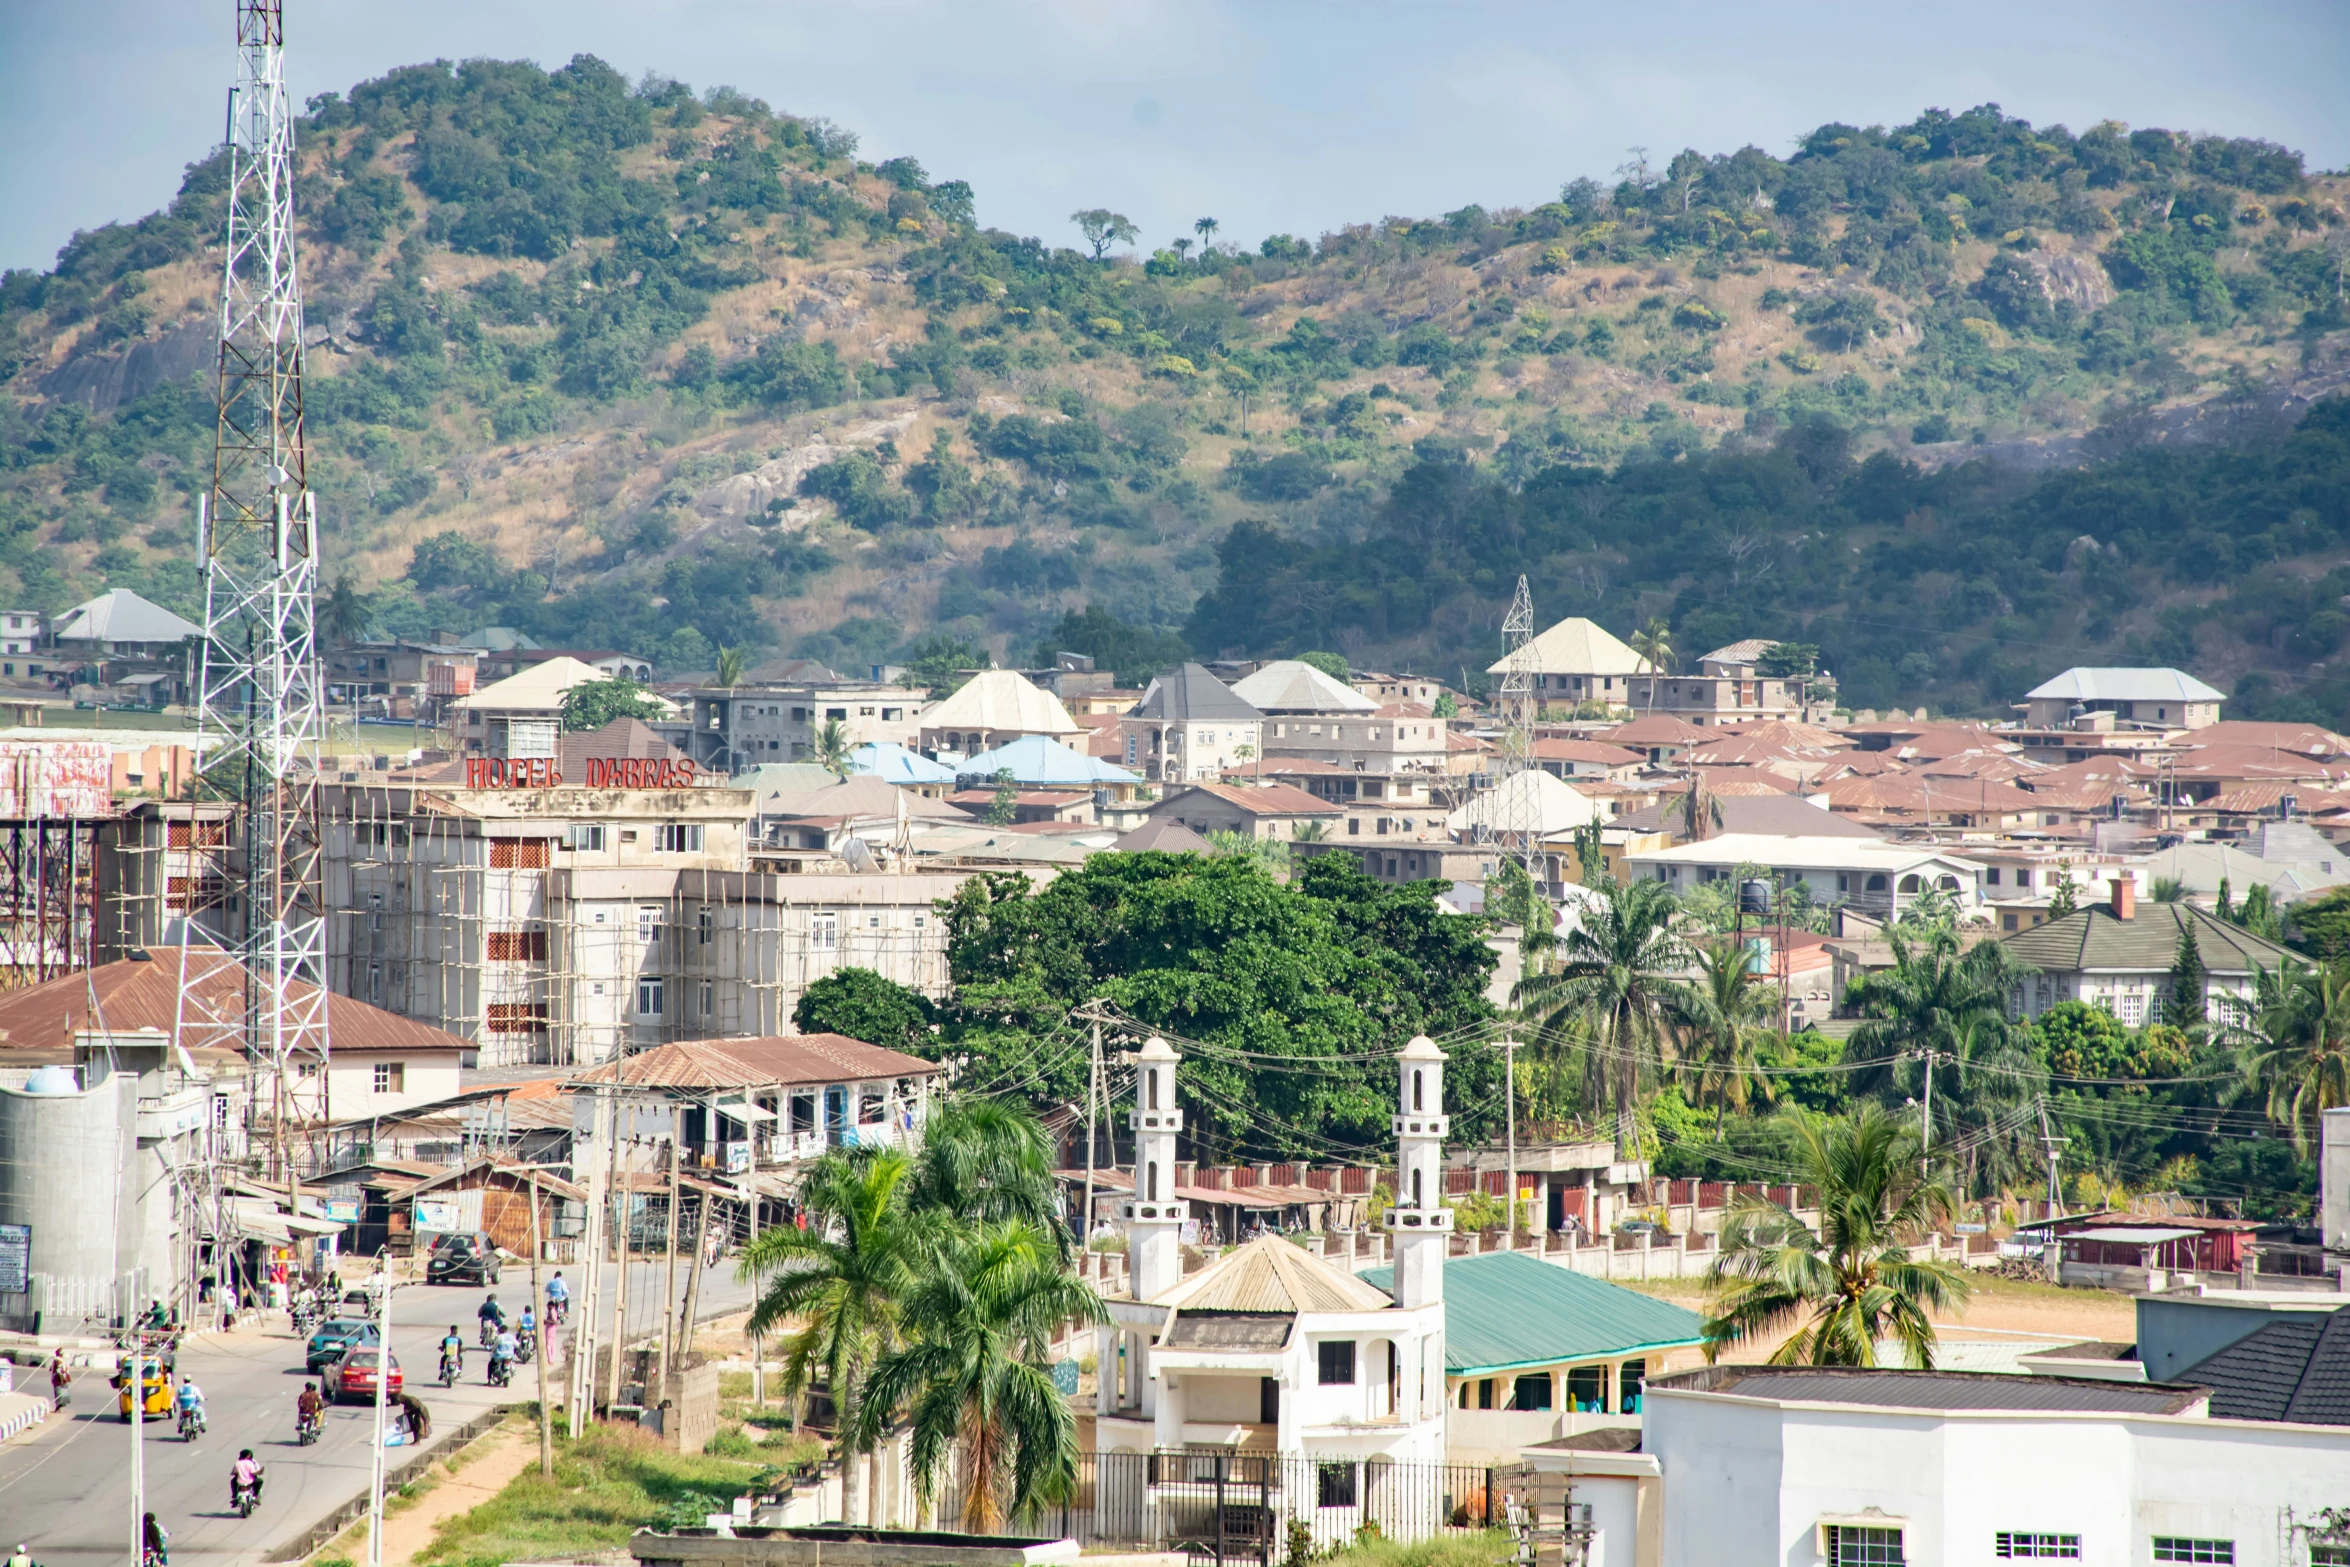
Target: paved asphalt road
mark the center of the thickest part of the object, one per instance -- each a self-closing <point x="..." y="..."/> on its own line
<point x="65" y="1487"/>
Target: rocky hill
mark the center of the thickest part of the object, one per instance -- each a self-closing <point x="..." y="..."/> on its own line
<point x="629" y="366"/>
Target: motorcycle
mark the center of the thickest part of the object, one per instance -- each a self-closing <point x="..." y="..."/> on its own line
<point x="308" y="1429"/>
<point x="191" y="1424"/>
<point x="449" y="1369"/>
<point x="244" y="1498"/>
<point x="501" y="1371"/>
<point x="489" y="1332"/>
<point x="527" y="1341"/>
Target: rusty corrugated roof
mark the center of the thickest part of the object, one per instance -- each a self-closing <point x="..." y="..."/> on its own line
<point x="758" y="1062"/>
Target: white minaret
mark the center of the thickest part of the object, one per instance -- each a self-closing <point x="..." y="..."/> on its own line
<point x="1154" y="1219"/>
<point x="1419" y="1221"/>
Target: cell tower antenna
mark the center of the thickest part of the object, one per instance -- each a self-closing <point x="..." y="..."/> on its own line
<point x="259" y="712"/>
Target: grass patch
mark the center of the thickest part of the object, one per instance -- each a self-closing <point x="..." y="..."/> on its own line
<point x="1480" y="1549"/>
<point x="608" y="1484"/>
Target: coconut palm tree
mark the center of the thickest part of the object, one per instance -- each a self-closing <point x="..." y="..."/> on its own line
<point x="1854" y="1282"/>
<point x="1618" y="966"/>
<point x="1206" y="229"/>
<point x="1719" y="1018"/>
<point x="1926" y="1004"/>
<point x="1654" y="643"/>
<point x="2293" y="1042"/>
<point x="832" y="749"/>
<point x="731" y="663"/>
<point x="843" y="1281"/>
<point x="974" y="1376"/>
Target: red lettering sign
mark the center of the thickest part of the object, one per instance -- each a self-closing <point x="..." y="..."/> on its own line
<point x="494" y="772"/>
<point x="640" y="772"/>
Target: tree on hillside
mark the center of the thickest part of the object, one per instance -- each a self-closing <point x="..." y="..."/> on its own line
<point x="863" y="1005"/>
<point x="1332" y="664"/>
<point x="937" y="662"/>
<point x="1206" y="229"/>
<point x="1617" y="968"/>
<point x="595" y="703"/>
<point x="343" y="617"/>
<point x="1852" y="1283"/>
<point x="1103" y="228"/>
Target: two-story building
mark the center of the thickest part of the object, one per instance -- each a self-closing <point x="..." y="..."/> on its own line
<point x="1729" y="687"/>
<point x="992" y="708"/>
<point x="2118" y="956"/>
<point x="1190" y="727"/>
<point x="731" y="728"/>
<point x="1877" y="878"/>
<point x="2151" y="698"/>
<point x="1579" y="661"/>
<point x="399" y="678"/>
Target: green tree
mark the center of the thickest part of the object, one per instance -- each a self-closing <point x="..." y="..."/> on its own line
<point x="1205" y="228"/>
<point x="2293" y="1041"/>
<point x="2166" y="889"/>
<point x="1720" y="1018"/>
<point x="833" y="749"/>
<point x="2323" y="925"/>
<point x="1331" y="664"/>
<point x="595" y="703"/>
<point x="344" y="616"/>
<point x="836" y="1290"/>
<point x="731" y="663"/>
<point x="937" y="662"/>
<point x="2259" y="913"/>
<point x="1005" y="806"/>
<point x="1853" y="1283"/>
<point x="1654" y="643"/>
<point x="1447" y="705"/>
<point x="864" y="1005"/>
<point x="974" y="1378"/>
<point x="2065" y="897"/>
<point x="2185" y="1007"/>
<point x="1616" y="967"/>
<point x="987" y="1161"/>
<point x="1103" y="228"/>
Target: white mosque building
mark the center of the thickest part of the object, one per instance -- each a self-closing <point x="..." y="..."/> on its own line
<point x="1271" y="1350"/>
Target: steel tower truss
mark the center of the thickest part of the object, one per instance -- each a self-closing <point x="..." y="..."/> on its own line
<point x="261" y="717"/>
<point x="1513" y="822"/>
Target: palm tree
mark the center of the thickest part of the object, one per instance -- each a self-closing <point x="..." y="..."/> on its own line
<point x="843" y="1280"/>
<point x="1701" y="814"/>
<point x="974" y="1376"/>
<point x="343" y="617"/>
<point x="2293" y="1039"/>
<point x="832" y="749"/>
<point x="1720" y="1020"/>
<point x="1853" y="1282"/>
<point x="1926" y="1004"/>
<point x="985" y="1161"/>
<point x="731" y="663"/>
<point x="1654" y="643"/>
<point x="1617" y="966"/>
<point x="1311" y="832"/>
<point x="1206" y="229"/>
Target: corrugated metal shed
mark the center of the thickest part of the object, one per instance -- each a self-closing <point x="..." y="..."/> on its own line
<point x="1507" y="1309"/>
<point x="1271" y="1274"/>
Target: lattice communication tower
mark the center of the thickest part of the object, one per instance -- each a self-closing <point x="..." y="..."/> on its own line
<point x="1515" y="821"/>
<point x="257" y="539"/>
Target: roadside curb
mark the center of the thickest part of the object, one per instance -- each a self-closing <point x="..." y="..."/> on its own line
<point x="395" y="1476"/>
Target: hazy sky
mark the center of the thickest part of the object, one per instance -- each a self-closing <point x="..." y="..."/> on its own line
<point x="1279" y="115"/>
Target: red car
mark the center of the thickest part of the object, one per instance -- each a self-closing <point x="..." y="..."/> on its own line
<point x="351" y="1375"/>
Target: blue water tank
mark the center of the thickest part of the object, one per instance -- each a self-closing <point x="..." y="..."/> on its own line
<point x="52" y="1080"/>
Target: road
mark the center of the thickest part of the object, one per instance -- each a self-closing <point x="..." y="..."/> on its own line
<point x="65" y="1487"/>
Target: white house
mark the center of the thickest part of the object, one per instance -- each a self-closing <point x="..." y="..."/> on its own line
<point x="1272" y="1350"/>
<point x="1769" y="1466"/>
<point x="1871" y="875"/>
<point x="2118" y="956"/>
<point x="2158" y="698"/>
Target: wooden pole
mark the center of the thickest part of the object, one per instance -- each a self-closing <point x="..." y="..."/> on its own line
<point x="669" y="1283"/>
<point x="620" y="1241"/>
<point x="539" y="1360"/>
<point x="695" y="1268"/>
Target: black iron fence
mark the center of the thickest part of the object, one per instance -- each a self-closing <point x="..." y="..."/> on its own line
<point x="1220" y="1506"/>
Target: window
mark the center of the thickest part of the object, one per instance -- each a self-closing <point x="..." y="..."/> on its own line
<point x="1630" y="1379"/>
<point x="708" y="999"/>
<point x="679" y="838"/>
<point x="1587" y="1389"/>
<point x="648" y="922"/>
<point x="519" y="1017"/>
<point x="2022" y="1546"/>
<point x="587" y="835"/>
<point x="1337" y="1359"/>
<point x="391" y="1077"/>
<point x="1853" y="1545"/>
<point x="1532" y="1391"/>
<point x="705" y="926"/>
<point x="824" y="933"/>
<point x="2177" y="1548"/>
<point x="648" y="996"/>
<point x="1334" y="1484"/>
<point x="2329" y="1555"/>
<point x="1992" y="876"/>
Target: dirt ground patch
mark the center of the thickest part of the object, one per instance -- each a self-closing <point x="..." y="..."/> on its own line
<point x="479" y="1473"/>
<point x="2001" y="1310"/>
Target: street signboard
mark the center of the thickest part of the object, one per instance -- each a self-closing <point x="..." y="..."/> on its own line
<point x="16" y="1258"/>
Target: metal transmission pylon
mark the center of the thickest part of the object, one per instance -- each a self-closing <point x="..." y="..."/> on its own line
<point x="1515" y="822"/>
<point x="257" y="539"/>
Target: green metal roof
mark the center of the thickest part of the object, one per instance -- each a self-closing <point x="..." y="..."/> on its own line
<point x="1508" y="1309"/>
<point x="2092" y="939"/>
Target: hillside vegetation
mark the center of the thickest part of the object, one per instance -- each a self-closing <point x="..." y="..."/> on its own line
<point x="1959" y="401"/>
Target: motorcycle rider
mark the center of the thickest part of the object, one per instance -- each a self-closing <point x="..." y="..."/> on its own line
<point x="453" y="1349"/>
<point x="493" y="1318"/>
<point x="22" y="1558"/>
<point x="526" y="1333"/>
<point x="558" y="1299"/>
<point x="308" y="1406"/>
<point x="503" y="1351"/>
<point x="244" y="1475"/>
<point x="190" y="1401"/>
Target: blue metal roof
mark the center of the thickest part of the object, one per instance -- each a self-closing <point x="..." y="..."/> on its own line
<point x="1506" y="1310"/>
<point x="1039" y="759"/>
<point x="898" y="765"/>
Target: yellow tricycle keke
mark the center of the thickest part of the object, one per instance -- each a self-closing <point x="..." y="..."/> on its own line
<point x="156" y="1388"/>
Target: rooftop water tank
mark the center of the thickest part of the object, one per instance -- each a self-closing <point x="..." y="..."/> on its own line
<point x="52" y="1080"/>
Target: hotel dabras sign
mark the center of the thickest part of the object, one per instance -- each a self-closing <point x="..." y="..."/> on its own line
<point x="603" y="772"/>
